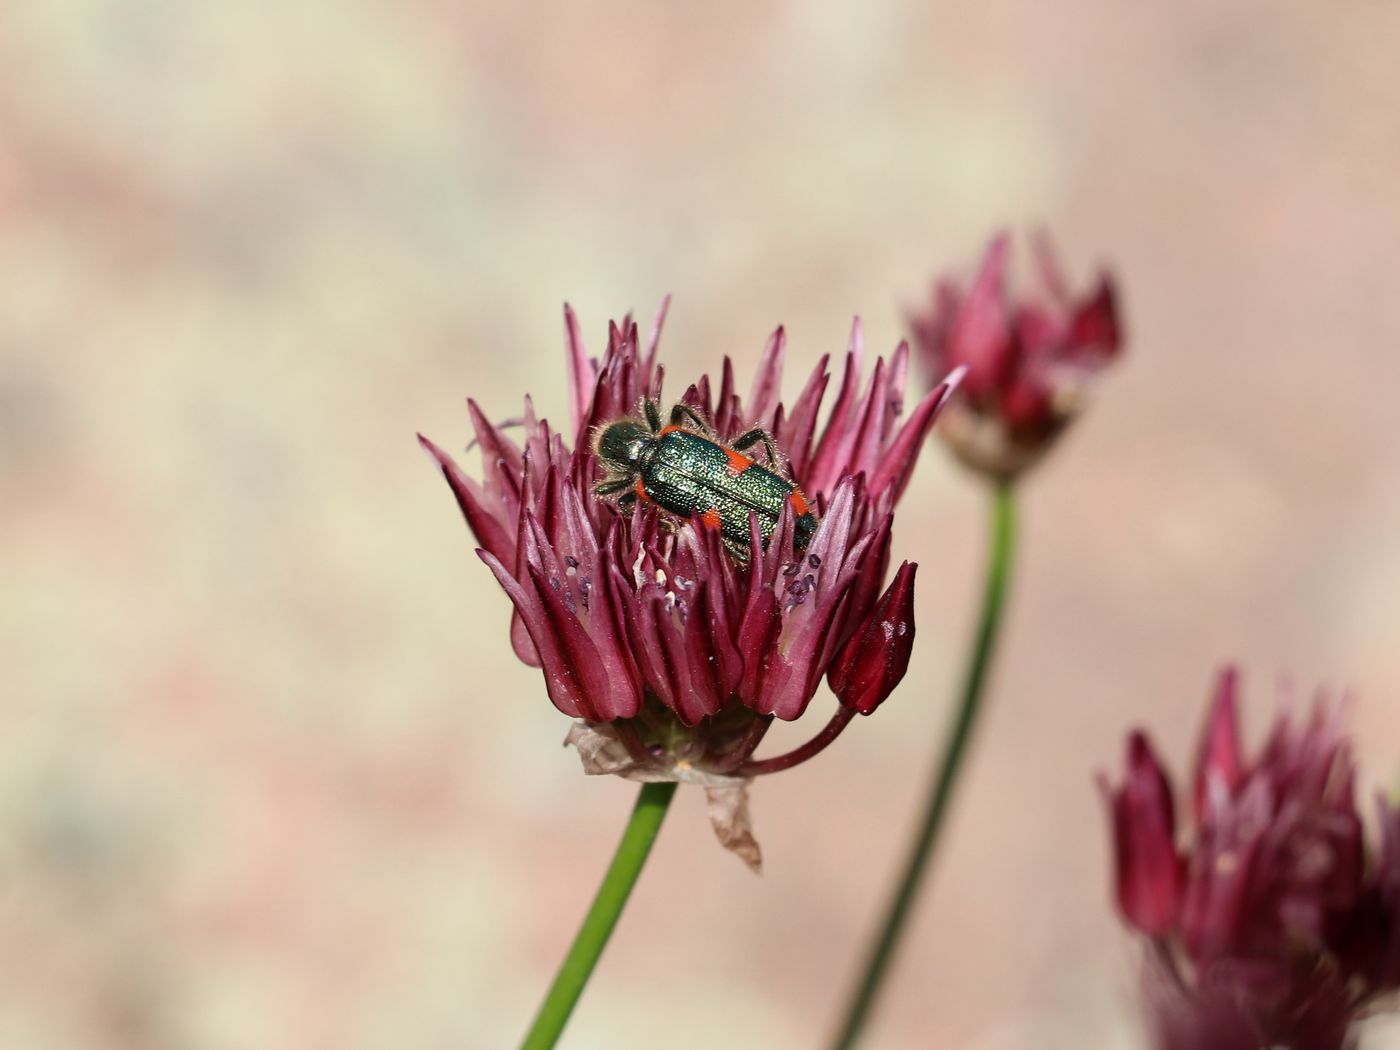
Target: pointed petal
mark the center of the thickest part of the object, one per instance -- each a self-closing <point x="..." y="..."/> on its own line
<point x="767" y="381"/>
<point x="824" y="472"/>
<point x="795" y="671"/>
<point x="981" y="334"/>
<point x="727" y="421"/>
<point x="489" y="532"/>
<point x="654" y="340"/>
<point x="520" y="642"/>
<point x="933" y="325"/>
<point x="559" y="681"/>
<point x="862" y="450"/>
<point x="1149" y="870"/>
<point x="1227" y="855"/>
<point x="1219" y="764"/>
<point x="1052" y="272"/>
<point x="594" y="677"/>
<point x="583" y="370"/>
<point x="759" y="622"/>
<point x="643" y="624"/>
<point x="869" y="565"/>
<point x="1095" y="327"/>
<point x="701" y="665"/>
<point x="897" y="464"/>
<point x="795" y="434"/>
<point x="496" y="448"/>
<point x="605" y="612"/>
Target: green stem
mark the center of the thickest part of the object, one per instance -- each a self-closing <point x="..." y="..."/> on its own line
<point x="602" y="916"/>
<point x="1003" y="537"/>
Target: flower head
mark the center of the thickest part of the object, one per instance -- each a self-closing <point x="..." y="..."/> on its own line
<point x="1028" y="361"/>
<point x="1271" y="922"/>
<point x="675" y="654"/>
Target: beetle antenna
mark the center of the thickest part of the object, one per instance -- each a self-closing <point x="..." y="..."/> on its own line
<point x="504" y="424"/>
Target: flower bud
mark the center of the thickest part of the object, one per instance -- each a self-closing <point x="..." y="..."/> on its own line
<point x="1029" y="359"/>
<point x="875" y="658"/>
<point x="1149" y="870"/>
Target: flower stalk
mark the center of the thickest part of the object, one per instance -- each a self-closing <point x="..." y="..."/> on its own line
<point x="592" y="937"/>
<point x="1002" y="544"/>
<point x="839" y="721"/>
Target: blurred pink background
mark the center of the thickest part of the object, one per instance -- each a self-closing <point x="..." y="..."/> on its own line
<point x="270" y="776"/>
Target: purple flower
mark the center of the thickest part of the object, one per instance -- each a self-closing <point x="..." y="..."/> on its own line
<point x="1271" y="923"/>
<point x="874" y="660"/>
<point x="1149" y="870"/>
<point x="674" y="655"/>
<point x="1028" y="361"/>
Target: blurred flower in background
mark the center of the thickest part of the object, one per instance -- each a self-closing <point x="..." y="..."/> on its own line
<point x="1029" y="359"/>
<point x="1022" y="364"/>
<point x="675" y="655"/>
<point x="1274" y="922"/>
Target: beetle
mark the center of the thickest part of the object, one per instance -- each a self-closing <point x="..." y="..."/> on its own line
<point x="685" y="469"/>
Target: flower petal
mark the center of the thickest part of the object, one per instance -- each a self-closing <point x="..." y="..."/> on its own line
<point x="795" y="433"/>
<point x="767" y="381"/>
<point x="583" y="370"/>
<point x="1219" y="764"/>
<point x="875" y="659"/>
<point x="605" y="685"/>
<point x="896" y="465"/>
<point x="981" y="335"/>
<point x="1095" y="329"/>
<point x="1149" y="870"/>
<point x="489" y="532"/>
<point x="559" y="680"/>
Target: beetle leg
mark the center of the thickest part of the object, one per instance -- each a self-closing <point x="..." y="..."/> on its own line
<point x="740" y="551"/>
<point x="653" y="415"/>
<point x="681" y="412"/>
<point x="754" y="437"/>
<point x="613" y="486"/>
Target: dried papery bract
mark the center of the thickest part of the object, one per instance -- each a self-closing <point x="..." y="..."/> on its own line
<point x="1271" y="921"/>
<point x="673" y="654"/>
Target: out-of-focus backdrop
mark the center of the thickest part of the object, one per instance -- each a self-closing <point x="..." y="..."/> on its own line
<point x="270" y="776"/>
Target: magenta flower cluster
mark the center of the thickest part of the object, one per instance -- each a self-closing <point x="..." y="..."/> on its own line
<point x="1029" y="360"/>
<point x="1272" y="921"/>
<point x="674" y="655"/>
<point x="1269" y="916"/>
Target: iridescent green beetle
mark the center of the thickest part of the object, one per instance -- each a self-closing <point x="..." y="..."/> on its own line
<point x="686" y="470"/>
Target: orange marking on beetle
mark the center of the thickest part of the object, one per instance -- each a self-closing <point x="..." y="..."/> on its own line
<point x="738" y="462"/>
<point x="641" y="491"/>
<point x="799" y="503"/>
<point x="711" y="519"/>
<point x="670" y="430"/>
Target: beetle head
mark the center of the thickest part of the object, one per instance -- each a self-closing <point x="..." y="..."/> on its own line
<point x="622" y="443"/>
